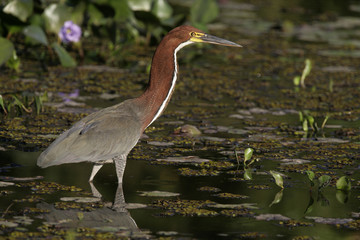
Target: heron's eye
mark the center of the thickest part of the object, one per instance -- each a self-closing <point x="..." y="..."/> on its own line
<point x="193" y="34"/>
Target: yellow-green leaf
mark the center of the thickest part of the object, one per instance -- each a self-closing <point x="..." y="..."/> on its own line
<point x="278" y="178"/>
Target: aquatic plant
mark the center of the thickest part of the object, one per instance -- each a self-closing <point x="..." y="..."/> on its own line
<point x="300" y="80"/>
<point x="24" y="103"/>
<point x="278" y="178"/>
<point x="115" y="22"/>
<point x="70" y="32"/>
<point x="247" y="157"/>
<point x="307" y="120"/>
<point x="343" y="183"/>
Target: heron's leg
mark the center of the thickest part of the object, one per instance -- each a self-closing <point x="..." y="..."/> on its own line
<point x="120" y="163"/>
<point x="94" y="191"/>
<point x="119" y="201"/>
<point x="94" y="171"/>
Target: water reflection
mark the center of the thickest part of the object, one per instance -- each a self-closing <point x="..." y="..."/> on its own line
<point x="112" y="217"/>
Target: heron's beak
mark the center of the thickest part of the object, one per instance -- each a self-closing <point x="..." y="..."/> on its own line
<point x="206" y="38"/>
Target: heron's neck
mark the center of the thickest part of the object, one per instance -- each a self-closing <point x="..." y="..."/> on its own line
<point x="163" y="76"/>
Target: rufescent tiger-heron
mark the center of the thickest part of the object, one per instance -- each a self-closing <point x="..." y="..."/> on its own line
<point x="109" y="134"/>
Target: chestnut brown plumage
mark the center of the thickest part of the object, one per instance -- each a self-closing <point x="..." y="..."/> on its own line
<point x="109" y="135"/>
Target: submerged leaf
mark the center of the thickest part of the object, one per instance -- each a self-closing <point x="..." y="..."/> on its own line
<point x="278" y="178"/>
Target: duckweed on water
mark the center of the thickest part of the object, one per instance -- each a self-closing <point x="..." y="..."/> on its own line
<point x="48" y="187"/>
<point x="186" y="207"/>
<point x="219" y="165"/>
<point x="259" y="187"/>
<point x="251" y="85"/>
<point x="244" y="212"/>
<point x="230" y="196"/>
<point x="30" y="199"/>
<point x="80" y="206"/>
<point x="32" y="210"/>
<point x="294" y="223"/>
<point x="188" y="172"/>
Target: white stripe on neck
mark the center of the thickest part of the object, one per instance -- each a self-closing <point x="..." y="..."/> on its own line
<point x="173" y="82"/>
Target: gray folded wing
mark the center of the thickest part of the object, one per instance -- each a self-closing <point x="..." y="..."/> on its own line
<point x="100" y="136"/>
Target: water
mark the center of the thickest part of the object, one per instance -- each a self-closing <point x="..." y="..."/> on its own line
<point x="237" y="99"/>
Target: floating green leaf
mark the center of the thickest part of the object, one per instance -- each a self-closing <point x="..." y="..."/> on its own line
<point x="248" y="154"/>
<point x="324" y="181"/>
<point x="36" y="33"/>
<point x="278" y="178"/>
<point x="311" y="175"/>
<point x="21" y="9"/>
<point x="65" y="59"/>
<point x="343" y="183"/>
<point x="6" y="50"/>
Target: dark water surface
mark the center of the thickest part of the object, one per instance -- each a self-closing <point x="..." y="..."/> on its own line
<point x="237" y="99"/>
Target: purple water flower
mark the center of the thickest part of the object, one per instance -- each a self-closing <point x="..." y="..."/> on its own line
<point x="70" y="32"/>
<point x="68" y="96"/>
